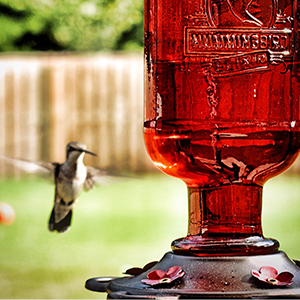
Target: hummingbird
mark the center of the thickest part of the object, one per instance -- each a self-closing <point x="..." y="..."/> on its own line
<point x="70" y="178"/>
<point x="240" y="9"/>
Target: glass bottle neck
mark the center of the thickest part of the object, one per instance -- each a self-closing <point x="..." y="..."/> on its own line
<point x="225" y="220"/>
<point x="230" y="210"/>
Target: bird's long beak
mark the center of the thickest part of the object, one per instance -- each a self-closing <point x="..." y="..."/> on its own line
<point x="88" y="152"/>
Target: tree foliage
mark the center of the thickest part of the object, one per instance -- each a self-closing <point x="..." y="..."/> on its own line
<point x="80" y="25"/>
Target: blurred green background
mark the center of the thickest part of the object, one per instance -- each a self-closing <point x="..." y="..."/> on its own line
<point x="114" y="228"/>
<point x="73" y="25"/>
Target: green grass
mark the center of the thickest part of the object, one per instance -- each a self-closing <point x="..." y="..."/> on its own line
<point x="281" y="213"/>
<point x="114" y="227"/>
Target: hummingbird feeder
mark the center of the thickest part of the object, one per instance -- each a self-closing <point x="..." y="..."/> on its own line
<point x="222" y="113"/>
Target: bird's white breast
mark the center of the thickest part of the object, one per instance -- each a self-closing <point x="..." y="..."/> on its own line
<point x="70" y="184"/>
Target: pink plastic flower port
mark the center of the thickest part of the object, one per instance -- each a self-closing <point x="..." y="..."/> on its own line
<point x="157" y="277"/>
<point x="270" y="275"/>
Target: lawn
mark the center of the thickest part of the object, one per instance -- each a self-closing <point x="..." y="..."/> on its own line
<point x="114" y="227"/>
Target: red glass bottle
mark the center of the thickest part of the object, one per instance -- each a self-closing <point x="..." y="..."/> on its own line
<point x="222" y="111"/>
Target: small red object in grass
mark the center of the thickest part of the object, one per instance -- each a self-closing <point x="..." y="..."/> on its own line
<point x="270" y="275"/>
<point x="160" y="277"/>
<point x="7" y="214"/>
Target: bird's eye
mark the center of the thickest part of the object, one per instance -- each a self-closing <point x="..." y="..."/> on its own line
<point x="71" y="148"/>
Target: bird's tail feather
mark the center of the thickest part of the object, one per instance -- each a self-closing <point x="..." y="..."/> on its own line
<point x="63" y="225"/>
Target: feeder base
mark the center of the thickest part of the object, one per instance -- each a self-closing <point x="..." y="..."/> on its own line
<point x="205" y="277"/>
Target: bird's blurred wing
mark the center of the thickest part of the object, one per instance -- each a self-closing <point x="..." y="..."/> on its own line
<point x="99" y="177"/>
<point x="27" y="166"/>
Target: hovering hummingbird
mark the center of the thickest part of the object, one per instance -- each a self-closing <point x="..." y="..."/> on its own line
<point x="70" y="178"/>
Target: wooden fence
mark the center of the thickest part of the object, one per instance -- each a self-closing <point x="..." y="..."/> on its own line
<point x="47" y="100"/>
<point x="97" y="99"/>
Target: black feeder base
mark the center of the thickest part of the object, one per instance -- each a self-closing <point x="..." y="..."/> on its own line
<point x="205" y="277"/>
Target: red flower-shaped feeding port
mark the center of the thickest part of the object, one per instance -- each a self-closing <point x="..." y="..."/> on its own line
<point x="270" y="275"/>
<point x="160" y="277"/>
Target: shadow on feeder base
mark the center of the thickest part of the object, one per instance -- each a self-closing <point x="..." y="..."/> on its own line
<point x="205" y="277"/>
